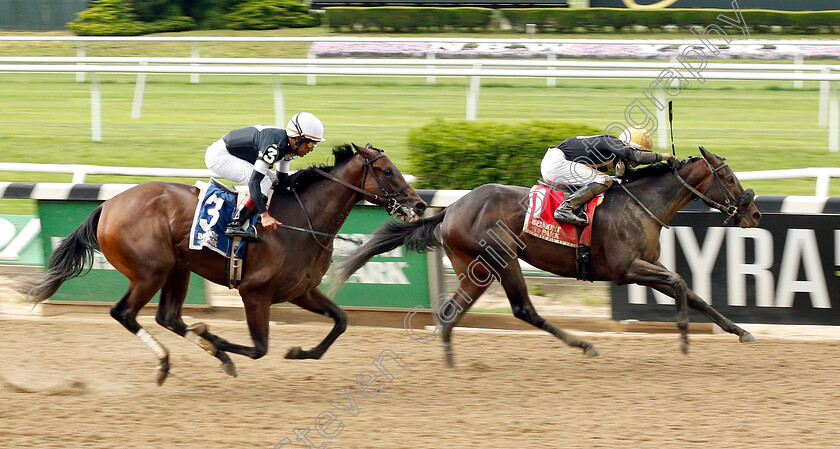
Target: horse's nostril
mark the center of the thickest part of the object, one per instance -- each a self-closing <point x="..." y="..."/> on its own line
<point x="420" y="207"/>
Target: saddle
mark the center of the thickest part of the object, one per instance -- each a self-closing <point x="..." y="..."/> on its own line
<point x="543" y="200"/>
<point x="216" y="205"/>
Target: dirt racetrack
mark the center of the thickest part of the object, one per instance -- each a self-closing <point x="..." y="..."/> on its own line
<point x="86" y="382"/>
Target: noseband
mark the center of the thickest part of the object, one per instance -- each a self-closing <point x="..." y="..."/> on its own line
<point x="390" y="198"/>
<point x="731" y="203"/>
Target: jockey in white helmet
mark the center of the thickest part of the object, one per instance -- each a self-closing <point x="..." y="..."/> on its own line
<point x="246" y="156"/>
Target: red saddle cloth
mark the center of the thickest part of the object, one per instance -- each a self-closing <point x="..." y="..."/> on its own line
<point x="540" y="222"/>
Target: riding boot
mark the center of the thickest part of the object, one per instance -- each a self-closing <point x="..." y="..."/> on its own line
<point x="565" y="213"/>
<point x="241" y="217"/>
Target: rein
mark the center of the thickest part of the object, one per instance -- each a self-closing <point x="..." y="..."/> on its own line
<point x="314" y="232"/>
<point x="655" y="218"/>
<point x="730" y="209"/>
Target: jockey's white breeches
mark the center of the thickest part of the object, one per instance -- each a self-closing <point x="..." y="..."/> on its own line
<point x="556" y="169"/>
<point x="230" y="167"/>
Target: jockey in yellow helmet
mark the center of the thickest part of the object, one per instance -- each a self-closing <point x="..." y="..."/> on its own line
<point x="581" y="163"/>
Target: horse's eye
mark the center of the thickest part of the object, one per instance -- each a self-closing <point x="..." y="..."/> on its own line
<point x="388" y="172"/>
<point x="730" y="179"/>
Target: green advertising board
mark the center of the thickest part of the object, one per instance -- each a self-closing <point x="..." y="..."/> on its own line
<point x="103" y="283"/>
<point x="393" y="279"/>
<point x="19" y="243"/>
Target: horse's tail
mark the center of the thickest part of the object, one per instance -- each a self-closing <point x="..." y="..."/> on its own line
<point x="417" y="236"/>
<point x="67" y="261"/>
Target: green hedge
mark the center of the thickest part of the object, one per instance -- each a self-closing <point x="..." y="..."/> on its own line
<point x="270" y="14"/>
<point x="402" y="19"/>
<point x="133" y="17"/>
<point x="596" y="19"/>
<point x="465" y="155"/>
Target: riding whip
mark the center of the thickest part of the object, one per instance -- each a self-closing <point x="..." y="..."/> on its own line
<point x="294" y="228"/>
<point x="671" y="126"/>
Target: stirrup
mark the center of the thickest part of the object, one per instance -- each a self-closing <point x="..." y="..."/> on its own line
<point x="239" y="232"/>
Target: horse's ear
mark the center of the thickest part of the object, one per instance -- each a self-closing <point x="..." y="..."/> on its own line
<point x="365" y="152"/>
<point x="712" y="158"/>
<point x="368" y="146"/>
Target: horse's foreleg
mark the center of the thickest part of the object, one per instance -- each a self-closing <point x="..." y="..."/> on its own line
<point x="517" y="292"/>
<point x="316" y="301"/>
<point x="169" y="316"/>
<point x="645" y="273"/>
<point x="697" y="303"/>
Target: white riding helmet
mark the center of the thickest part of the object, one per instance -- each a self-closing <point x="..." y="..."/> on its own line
<point x="306" y="125"/>
<point x="637" y="138"/>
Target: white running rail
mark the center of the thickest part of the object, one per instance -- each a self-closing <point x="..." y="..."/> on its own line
<point x="823" y="175"/>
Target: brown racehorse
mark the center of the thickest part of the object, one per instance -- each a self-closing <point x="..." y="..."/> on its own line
<point x="143" y="232"/>
<point x="480" y="234"/>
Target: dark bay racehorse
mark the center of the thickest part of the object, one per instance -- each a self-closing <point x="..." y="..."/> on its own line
<point x="481" y="234"/>
<point x="144" y="233"/>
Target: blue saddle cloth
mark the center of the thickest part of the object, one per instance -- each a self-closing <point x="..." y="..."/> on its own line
<point x="215" y="209"/>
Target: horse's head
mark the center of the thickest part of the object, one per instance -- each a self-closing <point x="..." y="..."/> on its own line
<point x="383" y="179"/>
<point x="725" y="193"/>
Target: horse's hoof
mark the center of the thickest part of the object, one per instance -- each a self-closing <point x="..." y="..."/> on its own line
<point x="229" y="369"/>
<point x="449" y="360"/>
<point x="747" y="338"/>
<point x="161" y="373"/>
<point x="591" y="352"/>
<point x="294" y="352"/>
<point x="198" y="328"/>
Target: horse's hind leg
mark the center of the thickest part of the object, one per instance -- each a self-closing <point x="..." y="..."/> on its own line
<point x="169" y="316"/>
<point x="517" y="292"/>
<point x="125" y="311"/>
<point x="316" y="301"/>
<point x="257" y="308"/>
<point x="450" y="312"/>
<point x="657" y="276"/>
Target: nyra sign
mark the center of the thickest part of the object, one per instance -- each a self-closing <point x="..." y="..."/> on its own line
<point x="784" y="271"/>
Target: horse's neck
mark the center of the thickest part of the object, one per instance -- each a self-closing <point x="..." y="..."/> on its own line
<point x="672" y="195"/>
<point x="328" y="203"/>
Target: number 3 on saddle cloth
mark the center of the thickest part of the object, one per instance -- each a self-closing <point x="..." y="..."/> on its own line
<point x="540" y="222"/>
<point x="214" y="210"/>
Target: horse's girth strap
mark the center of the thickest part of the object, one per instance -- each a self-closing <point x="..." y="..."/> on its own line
<point x="234" y="265"/>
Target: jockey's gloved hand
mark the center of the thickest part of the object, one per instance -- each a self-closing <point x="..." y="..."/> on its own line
<point x="620" y="168"/>
<point x="284" y="181"/>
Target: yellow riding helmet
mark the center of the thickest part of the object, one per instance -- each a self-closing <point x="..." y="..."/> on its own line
<point x="637" y="137"/>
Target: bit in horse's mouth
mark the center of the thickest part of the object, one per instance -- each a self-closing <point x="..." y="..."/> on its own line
<point x="407" y="214"/>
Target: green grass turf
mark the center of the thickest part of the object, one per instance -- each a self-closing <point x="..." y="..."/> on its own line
<point x="45" y="118"/>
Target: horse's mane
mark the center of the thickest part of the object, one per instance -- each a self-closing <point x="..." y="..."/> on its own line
<point x="303" y="179"/>
<point x="657" y="169"/>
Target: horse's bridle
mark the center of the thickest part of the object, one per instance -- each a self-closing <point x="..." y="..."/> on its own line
<point x="391" y="206"/>
<point x="732" y="204"/>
